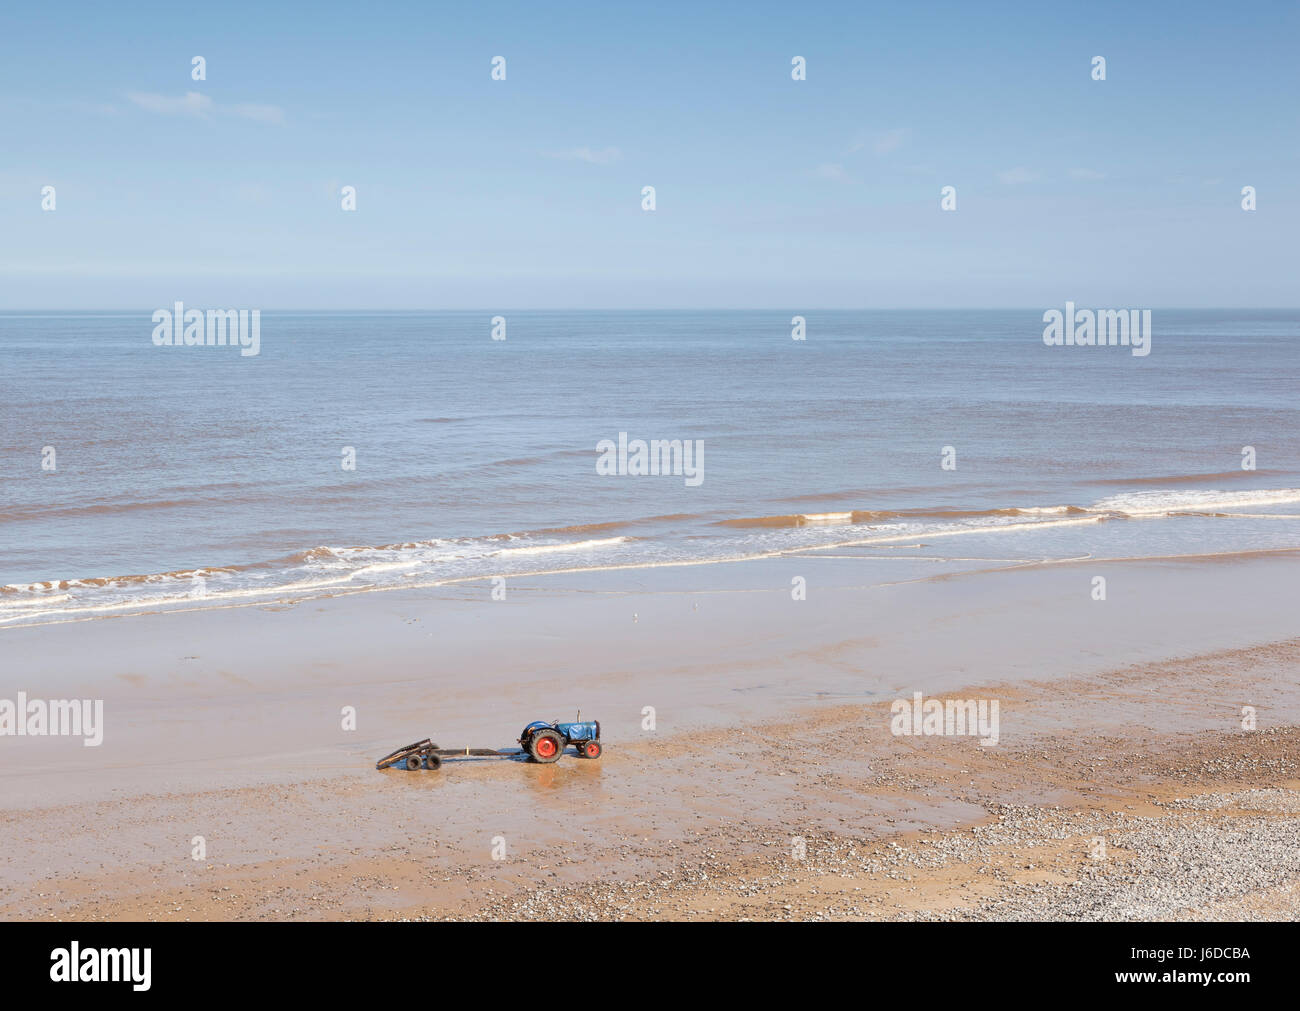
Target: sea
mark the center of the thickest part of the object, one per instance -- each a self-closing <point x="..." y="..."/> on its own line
<point x="365" y="451"/>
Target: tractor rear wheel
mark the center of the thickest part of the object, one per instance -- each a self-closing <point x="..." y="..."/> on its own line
<point x="545" y="746"/>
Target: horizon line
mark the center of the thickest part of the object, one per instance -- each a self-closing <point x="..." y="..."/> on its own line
<point x="737" y="308"/>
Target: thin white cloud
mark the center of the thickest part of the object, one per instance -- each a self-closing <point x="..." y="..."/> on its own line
<point x="881" y="143"/>
<point x="253" y="193"/>
<point x="605" y="156"/>
<point x="1087" y="173"/>
<point x="1016" y="176"/>
<point x="260" y="113"/>
<point x="890" y="141"/>
<point x="194" y="103"/>
<point x="835" y="172"/>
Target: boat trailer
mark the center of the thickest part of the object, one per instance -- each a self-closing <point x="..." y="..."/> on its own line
<point x="541" y="742"/>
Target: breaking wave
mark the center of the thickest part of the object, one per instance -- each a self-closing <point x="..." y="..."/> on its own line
<point x="679" y="539"/>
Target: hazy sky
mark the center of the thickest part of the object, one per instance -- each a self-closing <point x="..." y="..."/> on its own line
<point x="770" y="192"/>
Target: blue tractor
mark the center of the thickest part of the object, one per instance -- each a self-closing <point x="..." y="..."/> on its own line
<point x="545" y="742"/>
<point x="541" y="742"/>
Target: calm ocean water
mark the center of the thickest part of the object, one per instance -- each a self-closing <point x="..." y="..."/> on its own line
<point x="477" y="457"/>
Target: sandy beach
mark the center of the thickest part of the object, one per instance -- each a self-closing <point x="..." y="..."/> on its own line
<point x="1125" y="782"/>
<point x="808" y="463"/>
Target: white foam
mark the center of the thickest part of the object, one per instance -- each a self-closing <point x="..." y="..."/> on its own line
<point x="547" y="549"/>
<point x="1161" y="502"/>
<point x="325" y="571"/>
<point x="829" y="519"/>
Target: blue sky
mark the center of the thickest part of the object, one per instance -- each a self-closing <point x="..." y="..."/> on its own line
<point x="474" y="193"/>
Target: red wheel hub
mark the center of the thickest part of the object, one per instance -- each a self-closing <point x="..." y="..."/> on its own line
<point x="546" y="747"/>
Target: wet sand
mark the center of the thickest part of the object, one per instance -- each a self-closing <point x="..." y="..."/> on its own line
<point x="1120" y="720"/>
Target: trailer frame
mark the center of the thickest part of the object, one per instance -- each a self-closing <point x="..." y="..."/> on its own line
<point x="540" y="742"/>
<point x="426" y="754"/>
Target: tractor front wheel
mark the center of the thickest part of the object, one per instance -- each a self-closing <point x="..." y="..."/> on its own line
<point x="545" y="746"/>
<point x="590" y="749"/>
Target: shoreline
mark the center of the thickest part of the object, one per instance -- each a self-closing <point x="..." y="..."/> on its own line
<point x="773" y="715"/>
<point x="896" y="545"/>
<point x="285" y="597"/>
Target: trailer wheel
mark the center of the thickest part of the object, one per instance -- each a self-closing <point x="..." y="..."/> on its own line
<point x="413" y="761"/>
<point x="590" y="749"/>
<point x="545" y="746"/>
<point x="432" y="762"/>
